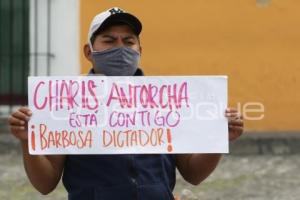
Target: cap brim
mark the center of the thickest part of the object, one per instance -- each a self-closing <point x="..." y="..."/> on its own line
<point x="125" y="18"/>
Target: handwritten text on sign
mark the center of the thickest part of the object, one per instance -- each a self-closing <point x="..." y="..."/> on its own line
<point x="117" y="115"/>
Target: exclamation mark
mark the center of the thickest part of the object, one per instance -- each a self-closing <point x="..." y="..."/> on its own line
<point x="32" y="138"/>
<point x="169" y="137"/>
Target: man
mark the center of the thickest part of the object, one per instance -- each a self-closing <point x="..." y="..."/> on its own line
<point x="114" y="49"/>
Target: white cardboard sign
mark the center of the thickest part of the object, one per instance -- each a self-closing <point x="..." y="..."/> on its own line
<point x="120" y="115"/>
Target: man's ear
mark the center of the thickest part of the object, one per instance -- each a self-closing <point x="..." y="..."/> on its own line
<point x="87" y="52"/>
<point x="141" y="50"/>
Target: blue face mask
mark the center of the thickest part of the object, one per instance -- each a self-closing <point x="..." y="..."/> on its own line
<point x="120" y="61"/>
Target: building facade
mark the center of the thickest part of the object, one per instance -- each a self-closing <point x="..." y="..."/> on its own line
<point x="255" y="42"/>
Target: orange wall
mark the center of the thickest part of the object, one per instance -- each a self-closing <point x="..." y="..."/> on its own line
<point x="257" y="47"/>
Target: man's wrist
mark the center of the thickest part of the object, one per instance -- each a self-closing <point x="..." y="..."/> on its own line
<point x="24" y="144"/>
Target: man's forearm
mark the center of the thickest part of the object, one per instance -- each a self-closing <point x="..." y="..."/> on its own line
<point x="43" y="176"/>
<point x="196" y="167"/>
<point x="202" y="165"/>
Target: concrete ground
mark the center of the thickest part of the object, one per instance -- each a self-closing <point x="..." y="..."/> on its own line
<point x="238" y="177"/>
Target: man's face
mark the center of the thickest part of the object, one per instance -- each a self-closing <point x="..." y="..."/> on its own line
<point x="117" y="36"/>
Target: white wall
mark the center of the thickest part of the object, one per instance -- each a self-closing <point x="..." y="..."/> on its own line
<point x="64" y="34"/>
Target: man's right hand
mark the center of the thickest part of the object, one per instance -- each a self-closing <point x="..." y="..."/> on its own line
<point x="44" y="172"/>
<point x="18" y="122"/>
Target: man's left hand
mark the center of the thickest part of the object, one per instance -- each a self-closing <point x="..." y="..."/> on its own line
<point x="235" y="123"/>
